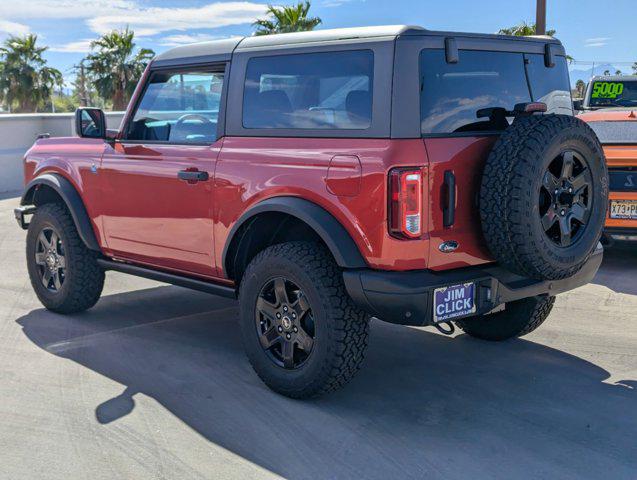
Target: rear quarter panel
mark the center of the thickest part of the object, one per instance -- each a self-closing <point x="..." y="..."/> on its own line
<point x="250" y="170"/>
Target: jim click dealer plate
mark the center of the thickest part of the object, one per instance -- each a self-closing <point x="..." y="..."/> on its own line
<point x="454" y="301"/>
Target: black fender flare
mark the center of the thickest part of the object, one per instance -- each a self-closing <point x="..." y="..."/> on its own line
<point x="71" y="198"/>
<point x="328" y="228"/>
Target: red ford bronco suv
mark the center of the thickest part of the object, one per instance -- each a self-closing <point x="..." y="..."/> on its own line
<point x="424" y="178"/>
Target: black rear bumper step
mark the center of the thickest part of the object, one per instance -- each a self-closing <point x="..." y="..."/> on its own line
<point x="406" y="298"/>
<point x="173" y="279"/>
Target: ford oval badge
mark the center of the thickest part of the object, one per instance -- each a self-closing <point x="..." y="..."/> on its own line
<point x="448" y="247"/>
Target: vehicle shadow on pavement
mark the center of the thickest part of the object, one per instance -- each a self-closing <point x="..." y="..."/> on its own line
<point x="618" y="259"/>
<point x="424" y="405"/>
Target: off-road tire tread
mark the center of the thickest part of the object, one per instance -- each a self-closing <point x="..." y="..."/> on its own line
<point x="504" y="213"/>
<point x="87" y="277"/>
<point x="351" y="323"/>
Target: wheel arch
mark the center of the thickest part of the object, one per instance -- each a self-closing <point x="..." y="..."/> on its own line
<point x="308" y="218"/>
<point x="49" y="187"/>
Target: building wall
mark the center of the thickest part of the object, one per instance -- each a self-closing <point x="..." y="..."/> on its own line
<point x="19" y="131"/>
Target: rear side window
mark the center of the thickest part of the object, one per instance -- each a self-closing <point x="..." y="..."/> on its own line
<point x="453" y="93"/>
<point x="330" y="90"/>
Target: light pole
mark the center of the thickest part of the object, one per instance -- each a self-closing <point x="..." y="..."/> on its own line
<point x="540" y="18"/>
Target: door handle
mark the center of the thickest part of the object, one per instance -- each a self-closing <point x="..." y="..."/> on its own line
<point x="192" y="176"/>
<point x="449" y="210"/>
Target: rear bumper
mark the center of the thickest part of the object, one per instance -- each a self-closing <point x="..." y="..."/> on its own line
<point x="406" y="298"/>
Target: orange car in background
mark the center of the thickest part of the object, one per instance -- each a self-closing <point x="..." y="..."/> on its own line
<point x="617" y="130"/>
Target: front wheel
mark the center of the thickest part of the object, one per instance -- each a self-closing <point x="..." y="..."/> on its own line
<point x="302" y="333"/>
<point x="64" y="273"/>
<point x="517" y="319"/>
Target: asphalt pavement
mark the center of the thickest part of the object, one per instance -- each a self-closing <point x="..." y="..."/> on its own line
<point x="152" y="383"/>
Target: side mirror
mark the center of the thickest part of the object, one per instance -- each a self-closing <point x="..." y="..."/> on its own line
<point x="90" y="123"/>
<point x="578" y="105"/>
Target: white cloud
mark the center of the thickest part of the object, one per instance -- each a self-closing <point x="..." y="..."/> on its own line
<point x="184" y="39"/>
<point x="153" y="20"/>
<point x="596" y="42"/>
<point x="13" y="28"/>
<point x="105" y="15"/>
<point x="337" y="3"/>
<point x="80" y="46"/>
<point x="31" y="9"/>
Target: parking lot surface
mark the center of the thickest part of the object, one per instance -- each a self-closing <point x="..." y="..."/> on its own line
<point x="153" y="383"/>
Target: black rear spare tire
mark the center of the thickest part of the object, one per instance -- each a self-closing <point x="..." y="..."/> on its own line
<point x="543" y="196"/>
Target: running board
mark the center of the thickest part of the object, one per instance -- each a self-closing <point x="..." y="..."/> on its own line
<point x="173" y="279"/>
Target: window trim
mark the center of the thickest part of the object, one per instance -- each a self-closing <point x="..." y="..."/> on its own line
<point x="383" y="52"/>
<point x="208" y="68"/>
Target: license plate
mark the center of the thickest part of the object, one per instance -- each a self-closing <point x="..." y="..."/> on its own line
<point x="454" y="301"/>
<point x="623" y="209"/>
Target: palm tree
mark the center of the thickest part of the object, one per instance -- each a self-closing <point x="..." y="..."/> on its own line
<point x="26" y="82"/>
<point x="618" y="72"/>
<point x="523" y="29"/>
<point x="580" y="86"/>
<point x="115" y="66"/>
<point x="287" y="19"/>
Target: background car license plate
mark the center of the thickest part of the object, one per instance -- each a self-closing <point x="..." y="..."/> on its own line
<point x="454" y="301"/>
<point x="623" y="209"/>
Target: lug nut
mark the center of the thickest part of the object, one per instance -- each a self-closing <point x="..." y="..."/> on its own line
<point x="288" y="336"/>
<point x="295" y="329"/>
<point x="570" y="190"/>
<point x="293" y="315"/>
<point x="285" y="308"/>
<point x="280" y="328"/>
<point x="556" y="191"/>
<point x="562" y="212"/>
<point x="278" y="315"/>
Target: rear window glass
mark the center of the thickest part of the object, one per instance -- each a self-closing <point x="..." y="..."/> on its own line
<point x="453" y="93"/>
<point x="613" y="94"/>
<point x="330" y="90"/>
<point x="616" y="132"/>
<point x="454" y="96"/>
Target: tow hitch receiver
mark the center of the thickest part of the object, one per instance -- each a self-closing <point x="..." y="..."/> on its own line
<point x="20" y="213"/>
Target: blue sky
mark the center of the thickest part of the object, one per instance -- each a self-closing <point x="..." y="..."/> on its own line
<point x="590" y="30"/>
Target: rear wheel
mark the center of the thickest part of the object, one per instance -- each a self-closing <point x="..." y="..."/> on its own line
<point x="302" y="333"/>
<point x="516" y="320"/>
<point x="63" y="272"/>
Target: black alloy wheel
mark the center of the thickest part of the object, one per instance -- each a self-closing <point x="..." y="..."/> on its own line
<point x="50" y="259"/>
<point x="565" y="198"/>
<point x="284" y="323"/>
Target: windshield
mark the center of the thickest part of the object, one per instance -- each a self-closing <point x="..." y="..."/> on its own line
<point x="613" y="94"/>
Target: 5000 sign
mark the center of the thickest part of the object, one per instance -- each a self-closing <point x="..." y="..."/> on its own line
<point x="607" y="89"/>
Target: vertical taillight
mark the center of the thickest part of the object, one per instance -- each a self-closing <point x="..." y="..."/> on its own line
<point x="405" y="202"/>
